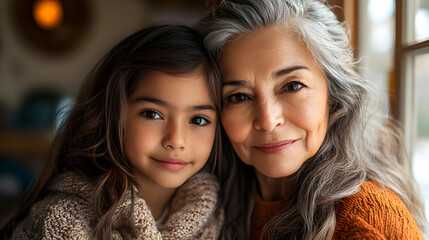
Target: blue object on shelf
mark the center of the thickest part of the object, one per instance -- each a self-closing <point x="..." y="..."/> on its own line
<point x="38" y="110"/>
<point x="14" y="178"/>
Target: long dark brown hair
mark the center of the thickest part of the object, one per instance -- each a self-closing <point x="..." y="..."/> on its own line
<point x="91" y="139"/>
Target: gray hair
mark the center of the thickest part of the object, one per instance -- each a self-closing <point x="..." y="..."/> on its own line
<point x="361" y="143"/>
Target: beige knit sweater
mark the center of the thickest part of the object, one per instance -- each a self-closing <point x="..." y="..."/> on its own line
<point x="67" y="214"/>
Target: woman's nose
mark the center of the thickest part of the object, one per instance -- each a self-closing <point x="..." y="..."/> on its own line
<point x="175" y="137"/>
<point x="269" y="116"/>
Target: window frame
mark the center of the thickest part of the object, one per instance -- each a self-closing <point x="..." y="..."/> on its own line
<point x="402" y="102"/>
<point x="402" y="51"/>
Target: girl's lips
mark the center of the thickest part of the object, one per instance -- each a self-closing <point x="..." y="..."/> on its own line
<point x="277" y="147"/>
<point x="172" y="164"/>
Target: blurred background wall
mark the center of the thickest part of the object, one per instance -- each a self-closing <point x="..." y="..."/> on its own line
<point x="60" y="57"/>
<point x="46" y="49"/>
<point x="48" y="46"/>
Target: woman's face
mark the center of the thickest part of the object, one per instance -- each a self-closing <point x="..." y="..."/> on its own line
<point x="275" y="95"/>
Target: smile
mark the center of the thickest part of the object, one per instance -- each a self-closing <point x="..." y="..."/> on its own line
<point x="277" y="147"/>
<point x="172" y="164"/>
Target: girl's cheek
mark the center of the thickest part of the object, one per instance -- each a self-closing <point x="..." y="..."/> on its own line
<point x="202" y="143"/>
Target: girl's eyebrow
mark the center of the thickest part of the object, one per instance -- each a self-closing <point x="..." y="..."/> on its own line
<point x="152" y="100"/>
<point x="165" y="104"/>
<point x="203" y="107"/>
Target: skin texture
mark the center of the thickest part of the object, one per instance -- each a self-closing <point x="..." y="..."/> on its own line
<point x="168" y="117"/>
<point x="274" y="93"/>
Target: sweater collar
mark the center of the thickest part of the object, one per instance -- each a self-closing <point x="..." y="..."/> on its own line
<point x="193" y="207"/>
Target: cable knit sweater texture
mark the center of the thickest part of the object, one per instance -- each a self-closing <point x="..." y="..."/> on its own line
<point x="66" y="212"/>
<point x="374" y="212"/>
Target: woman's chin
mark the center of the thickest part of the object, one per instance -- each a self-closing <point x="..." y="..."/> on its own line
<point x="276" y="171"/>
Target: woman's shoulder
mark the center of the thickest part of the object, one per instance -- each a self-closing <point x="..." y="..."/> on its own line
<point x="60" y="214"/>
<point x="374" y="212"/>
<point x="372" y="193"/>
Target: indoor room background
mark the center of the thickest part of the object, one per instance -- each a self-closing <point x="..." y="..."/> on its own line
<point x="48" y="46"/>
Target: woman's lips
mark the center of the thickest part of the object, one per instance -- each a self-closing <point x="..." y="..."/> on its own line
<point x="277" y="147"/>
<point x="172" y="164"/>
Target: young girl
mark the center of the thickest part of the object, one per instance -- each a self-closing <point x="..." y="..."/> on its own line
<point x="126" y="163"/>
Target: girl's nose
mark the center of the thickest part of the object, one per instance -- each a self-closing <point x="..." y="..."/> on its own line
<point x="175" y="137"/>
<point x="269" y="116"/>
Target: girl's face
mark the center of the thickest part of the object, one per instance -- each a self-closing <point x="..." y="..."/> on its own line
<point x="275" y="101"/>
<point x="170" y="128"/>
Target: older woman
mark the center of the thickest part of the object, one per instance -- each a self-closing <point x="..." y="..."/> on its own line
<point x="314" y="155"/>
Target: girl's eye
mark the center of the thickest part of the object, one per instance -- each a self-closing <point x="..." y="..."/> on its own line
<point x="293" y="86"/>
<point x="237" y="98"/>
<point x="150" y="114"/>
<point x="200" y="121"/>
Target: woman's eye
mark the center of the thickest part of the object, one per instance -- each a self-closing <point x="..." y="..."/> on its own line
<point x="293" y="86"/>
<point x="236" y="98"/>
<point x="200" y="121"/>
<point x="150" y="114"/>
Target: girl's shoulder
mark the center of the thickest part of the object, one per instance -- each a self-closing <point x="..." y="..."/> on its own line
<point x="62" y="214"/>
<point x="374" y="212"/>
<point x="204" y="182"/>
<point x="202" y="187"/>
<point x="195" y="209"/>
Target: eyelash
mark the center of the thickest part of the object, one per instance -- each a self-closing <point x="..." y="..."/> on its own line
<point x="200" y="117"/>
<point x="243" y="97"/>
<point x="297" y="84"/>
<point x="230" y="98"/>
<point x="145" y="112"/>
<point x="192" y="121"/>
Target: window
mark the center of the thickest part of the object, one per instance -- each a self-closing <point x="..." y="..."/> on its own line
<point x="411" y="85"/>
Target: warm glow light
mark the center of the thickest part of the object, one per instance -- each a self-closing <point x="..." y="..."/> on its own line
<point x="48" y="14"/>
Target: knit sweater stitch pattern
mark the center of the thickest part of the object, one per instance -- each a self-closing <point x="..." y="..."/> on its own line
<point x="66" y="212"/>
<point x="374" y="212"/>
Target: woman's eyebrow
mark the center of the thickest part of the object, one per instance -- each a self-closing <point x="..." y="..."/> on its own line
<point x="288" y="70"/>
<point x="277" y="74"/>
<point x="234" y="83"/>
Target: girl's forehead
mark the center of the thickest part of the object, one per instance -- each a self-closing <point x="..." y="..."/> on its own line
<point x="188" y="89"/>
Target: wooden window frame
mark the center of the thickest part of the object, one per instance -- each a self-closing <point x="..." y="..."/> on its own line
<point x="398" y="97"/>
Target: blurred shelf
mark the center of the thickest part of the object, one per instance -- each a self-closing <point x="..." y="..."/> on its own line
<point x="25" y="144"/>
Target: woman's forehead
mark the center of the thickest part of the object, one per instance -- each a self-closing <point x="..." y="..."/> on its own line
<point x="270" y="50"/>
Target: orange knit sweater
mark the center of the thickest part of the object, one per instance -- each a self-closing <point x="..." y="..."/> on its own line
<point x="372" y="213"/>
